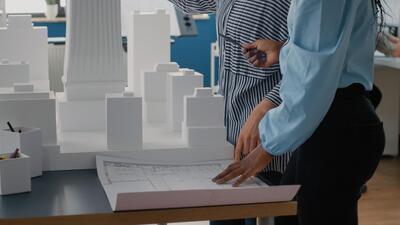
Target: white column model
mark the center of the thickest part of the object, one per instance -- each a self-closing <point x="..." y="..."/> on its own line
<point x="94" y="57"/>
<point x="148" y="45"/>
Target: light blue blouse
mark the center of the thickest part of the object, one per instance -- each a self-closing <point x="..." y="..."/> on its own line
<point x="331" y="45"/>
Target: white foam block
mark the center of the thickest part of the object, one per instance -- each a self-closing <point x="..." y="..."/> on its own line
<point x="29" y="141"/>
<point x="124" y="122"/>
<point x="11" y="94"/>
<point x="154" y="86"/>
<point x="155" y="112"/>
<point x="20" y="22"/>
<point x="15" y="176"/>
<point x="94" y="56"/>
<point x="178" y="85"/>
<point x="40" y="113"/>
<point x="23" y="87"/>
<point x="82" y="115"/>
<point x="13" y="72"/>
<point x="27" y="43"/>
<point x="203" y="109"/>
<point x="144" y="28"/>
<point x="212" y="137"/>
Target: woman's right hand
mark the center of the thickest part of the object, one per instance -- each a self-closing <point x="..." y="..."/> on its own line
<point x="269" y="48"/>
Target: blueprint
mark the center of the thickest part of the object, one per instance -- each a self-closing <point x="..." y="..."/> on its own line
<point x="133" y="185"/>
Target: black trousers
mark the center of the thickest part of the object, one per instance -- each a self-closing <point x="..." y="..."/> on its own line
<point x="341" y="156"/>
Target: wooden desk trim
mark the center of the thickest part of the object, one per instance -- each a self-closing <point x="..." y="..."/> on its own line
<point x="165" y="216"/>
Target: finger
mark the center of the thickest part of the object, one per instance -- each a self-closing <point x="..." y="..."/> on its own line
<point x="225" y="172"/>
<point x="249" y="54"/>
<point x="253" y="59"/>
<point x="249" y="46"/>
<point x="230" y="176"/>
<point x="241" y="179"/>
<point x="246" y="146"/>
<point x="253" y="144"/>
<point x="393" y="39"/>
<point x="238" y="150"/>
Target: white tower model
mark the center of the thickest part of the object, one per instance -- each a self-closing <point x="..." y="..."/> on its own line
<point x="148" y="45"/>
<point x="93" y="63"/>
<point x="155" y="92"/>
<point x="94" y="57"/>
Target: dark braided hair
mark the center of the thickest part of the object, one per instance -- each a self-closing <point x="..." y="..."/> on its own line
<point x="379" y="12"/>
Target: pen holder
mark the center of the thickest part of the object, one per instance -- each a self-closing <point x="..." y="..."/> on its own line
<point x="29" y="141"/>
<point x="15" y="176"/>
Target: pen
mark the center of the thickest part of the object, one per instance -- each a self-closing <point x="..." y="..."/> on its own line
<point x="10" y="126"/>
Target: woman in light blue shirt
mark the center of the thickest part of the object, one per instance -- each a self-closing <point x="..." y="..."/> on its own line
<point x="327" y="67"/>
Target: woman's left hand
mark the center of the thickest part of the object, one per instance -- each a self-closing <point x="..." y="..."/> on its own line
<point x="250" y="166"/>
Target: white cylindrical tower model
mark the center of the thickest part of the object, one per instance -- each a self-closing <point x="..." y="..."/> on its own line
<point x="94" y="54"/>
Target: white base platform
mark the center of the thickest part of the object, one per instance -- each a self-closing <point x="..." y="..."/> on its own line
<point x="78" y="150"/>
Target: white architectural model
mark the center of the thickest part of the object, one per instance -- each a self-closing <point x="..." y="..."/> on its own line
<point x="93" y="63"/>
<point x="149" y="44"/>
<point x="203" y="123"/>
<point x="25" y="99"/>
<point x="20" y="41"/>
<point x="13" y="72"/>
<point x="154" y="85"/>
<point x="3" y="13"/>
<point x="124" y="122"/>
<point x="95" y="115"/>
<point x="178" y="85"/>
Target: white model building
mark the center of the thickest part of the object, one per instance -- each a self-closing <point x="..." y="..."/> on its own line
<point x="203" y="123"/>
<point x="25" y="99"/>
<point x="124" y="122"/>
<point x="13" y="72"/>
<point x="148" y="45"/>
<point x="3" y="13"/>
<point x="154" y="85"/>
<point x="93" y="63"/>
<point x="95" y="114"/>
<point x="180" y="84"/>
<point x="20" y="41"/>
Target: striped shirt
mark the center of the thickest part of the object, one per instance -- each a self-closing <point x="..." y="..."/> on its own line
<point x="243" y="85"/>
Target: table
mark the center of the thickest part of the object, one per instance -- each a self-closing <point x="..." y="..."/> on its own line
<point x="77" y="198"/>
<point x="387" y="78"/>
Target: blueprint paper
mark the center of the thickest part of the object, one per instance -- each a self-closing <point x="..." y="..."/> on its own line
<point x="132" y="185"/>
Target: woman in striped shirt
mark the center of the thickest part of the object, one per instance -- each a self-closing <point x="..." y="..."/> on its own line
<point x="248" y="91"/>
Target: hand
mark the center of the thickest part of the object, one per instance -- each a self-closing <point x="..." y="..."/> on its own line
<point x="249" y="137"/>
<point x="250" y="166"/>
<point x="396" y="42"/>
<point x="269" y="47"/>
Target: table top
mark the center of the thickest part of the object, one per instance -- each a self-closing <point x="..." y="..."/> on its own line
<point x="71" y="197"/>
<point x="387" y="62"/>
<point x="56" y="194"/>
